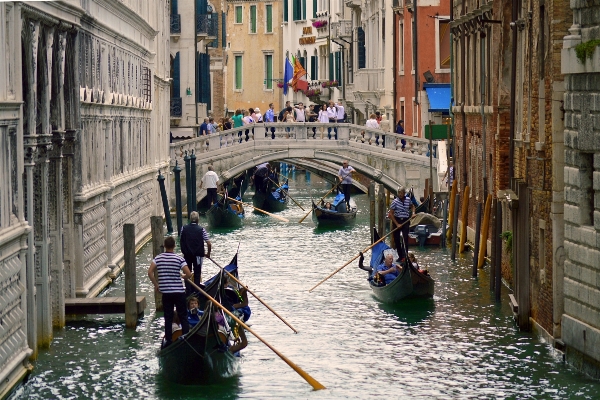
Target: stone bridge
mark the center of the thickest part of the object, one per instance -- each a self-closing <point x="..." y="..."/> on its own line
<point x="374" y="154"/>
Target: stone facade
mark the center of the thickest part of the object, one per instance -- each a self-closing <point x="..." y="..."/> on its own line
<point x="581" y="321"/>
<point x="83" y="100"/>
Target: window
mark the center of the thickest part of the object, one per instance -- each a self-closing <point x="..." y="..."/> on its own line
<point x="412" y="45"/>
<point x="299" y="10"/>
<point x="285" y="10"/>
<point x="401" y="48"/>
<point x="442" y="45"/>
<point x="360" y="47"/>
<point x="252" y="19"/>
<point x="586" y="179"/>
<point x="315" y="6"/>
<point x="238" y="72"/>
<point x="268" y="72"/>
<point x="269" y="22"/>
<point x="238" y="15"/>
<point x="314" y="67"/>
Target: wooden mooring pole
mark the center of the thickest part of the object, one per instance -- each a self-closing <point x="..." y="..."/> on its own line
<point x="455" y="226"/>
<point x="498" y="255"/>
<point x="131" y="314"/>
<point x="477" y="237"/>
<point x="372" y="209"/>
<point x="156" y="227"/>
<point x="494" y="248"/>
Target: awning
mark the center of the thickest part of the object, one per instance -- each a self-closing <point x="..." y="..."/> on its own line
<point x="439" y="97"/>
<point x="180" y="133"/>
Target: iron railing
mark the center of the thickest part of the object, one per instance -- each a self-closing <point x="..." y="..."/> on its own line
<point x="206" y="24"/>
<point x="175" y="23"/>
<point x="176" y="107"/>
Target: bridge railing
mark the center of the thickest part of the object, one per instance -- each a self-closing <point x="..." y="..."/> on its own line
<point x="254" y="134"/>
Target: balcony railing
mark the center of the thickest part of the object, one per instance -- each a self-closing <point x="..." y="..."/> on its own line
<point x="206" y="25"/>
<point x="176" y="107"/>
<point x="175" y="24"/>
<point x="341" y="29"/>
<point x="369" y="80"/>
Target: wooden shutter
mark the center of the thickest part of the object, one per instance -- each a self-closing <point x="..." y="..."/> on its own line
<point x="362" y="54"/>
<point x="174" y="7"/>
<point x="331" y="67"/>
<point x="252" y="19"/>
<point x="285" y="10"/>
<point x="269" y="11"/>
<point x="303" y="9"/>
<point x="223" y="31"/>
<point x="176" y="77"/>
<point x="296" y="9"/>
<point x="315" y="5"/>
<point x="338" y="67"/>
<point x="201" y="7"/>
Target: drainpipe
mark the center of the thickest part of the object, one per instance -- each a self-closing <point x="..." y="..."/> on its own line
<point x="513" y="88"/>
<point x="196" y="70"/>
<point x="394" y="66"/>
<point x="482" y="37"/>
<point x="462" y="92"/>
<point x="416" y="61"/>
<point x="452" y="94"/>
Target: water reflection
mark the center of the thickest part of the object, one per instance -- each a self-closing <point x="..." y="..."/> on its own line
<point x="410" y="311"/>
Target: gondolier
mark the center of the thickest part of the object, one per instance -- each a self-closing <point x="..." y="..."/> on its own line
<point x="192" y="240"/>
<point x="168" y="267"/>
<point x="399" y="212"/>
<point x="345" y="177"/>
<point x="261" y="177"/>
<point x="209" y="182"/>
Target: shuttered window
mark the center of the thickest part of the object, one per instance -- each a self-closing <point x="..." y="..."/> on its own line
<point x="338" y="67"/>
<point x="176" y="77"/>
<point x="314" y="14"/>
<point x="174" y="7"/>
<point x="314" y="73"/>
<point x="238" y="14"/>
<point x="268" y="71"/>
<point x="252" y="19"/>
<point x="223" y="31"/>
<point x="331" y="67"/>
<point x="269" y="13"/>
<point x="360" y="47"/>
<point x="285" y="10"/>
<point x="203" y="80"/>
<point x="238" y="73"/>
<point x="299" y="10"/>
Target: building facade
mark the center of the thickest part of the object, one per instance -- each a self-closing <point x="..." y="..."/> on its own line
<point x="253" y="55"/>
<point x="83" y="99"/>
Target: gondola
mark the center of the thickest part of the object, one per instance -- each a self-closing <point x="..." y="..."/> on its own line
<point x="225" y="214"/>
<point x="409" y="282"/>
<point x="272" y="200"/>
<point x="338" y="215"/>
<point x="200" y="356"/>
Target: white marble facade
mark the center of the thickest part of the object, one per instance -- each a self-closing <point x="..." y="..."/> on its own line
<point x="84" y="127"/>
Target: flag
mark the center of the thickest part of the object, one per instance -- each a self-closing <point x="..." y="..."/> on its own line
<point x="299" y="82"/>
<point x="288" y="73"/>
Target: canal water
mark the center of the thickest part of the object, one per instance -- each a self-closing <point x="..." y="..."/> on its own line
<point x="460" y="344"/>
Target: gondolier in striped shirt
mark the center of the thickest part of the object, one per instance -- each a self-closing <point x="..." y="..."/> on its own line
<point x="168" y="267"/>
<point x="399" y="212"/>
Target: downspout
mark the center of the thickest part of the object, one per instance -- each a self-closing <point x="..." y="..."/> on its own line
<point x="196" y="68"/>
<point x="394" y="71"/>
<point x="513" y="89"/>
<point x="482" y="37"/>
<point x="452" y="94"/>
<point x="463" y="97"/>
<point x="415" y="59"/>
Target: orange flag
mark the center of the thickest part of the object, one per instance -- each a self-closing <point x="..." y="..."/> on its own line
<point x="299" y="81"/>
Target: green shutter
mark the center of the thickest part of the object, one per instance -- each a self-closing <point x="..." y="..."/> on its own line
<point x="238" y="72"/>
<point x="296" y="9"/>
<point x="315" y="8"/>
<point x="252" y="19"/>
<point x="331" y="67"/>
<point x="338" y="66"/>
<point x="268" y="72"/>
<point x="224" y="31"/>
<point x="269" y="12"/>
<point x="313" y="68"/>
<point x="176" y="77"/>
<point x="303" y="9"/>
<point x="238" y="14"/>
<point x="285" y="10"/>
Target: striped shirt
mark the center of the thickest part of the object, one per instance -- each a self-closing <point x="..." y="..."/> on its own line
<point x="168" y="267"/>
<point x="401" y="208"/>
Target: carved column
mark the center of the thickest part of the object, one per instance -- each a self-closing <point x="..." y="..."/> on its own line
<point x="56" y="186"/>
<point x="42" y="188"/>
<point x="108" y="146"/>
<point x="31" y="31"/>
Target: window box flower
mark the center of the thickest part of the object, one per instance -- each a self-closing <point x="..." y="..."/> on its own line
<point x="313" y="92"/>
<point x="330" y="84"/>
<point x="319" y="24"/>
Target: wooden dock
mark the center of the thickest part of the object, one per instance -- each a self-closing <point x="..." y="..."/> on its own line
<point x="102" y="305"/>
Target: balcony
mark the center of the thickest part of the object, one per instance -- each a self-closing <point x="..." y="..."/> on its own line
<point x="353" y="3"/>
<point x="206" y="27"/>
<point x="176" y="107"/>
<point x="341" y="29"/>
<point x="176" y="25"/>
<point x="369" y="82"/>
<point x="398" y="6"/>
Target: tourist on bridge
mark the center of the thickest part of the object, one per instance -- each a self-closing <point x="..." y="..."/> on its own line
<point x="345" y="177"/>
<point x="168" y="267"/>
<point x="283" y="110"/>
<point x="400" y="131"/>
<point x="192" y="240"/>
<point x="372" y="122"/>
<point x="270" y="114"/>
<point x="212" y="127"/>
<point x="238" y="119"/>
<point x="300" y="113"/>
<point x="399" y="213"/>
<point x="209" y="182"/>
<point x="259" y="116"/>
<point x="332" y="115"/>
<point x="340" y="112"/>
<point x="204" y="128"/>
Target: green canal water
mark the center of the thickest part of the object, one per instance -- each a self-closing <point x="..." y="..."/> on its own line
<point x="460" y="344"/>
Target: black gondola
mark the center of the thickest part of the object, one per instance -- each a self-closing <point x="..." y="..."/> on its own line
<point x="225" y="214"/>
<point x="337" y="215"/>
<point x="274" y="199"/>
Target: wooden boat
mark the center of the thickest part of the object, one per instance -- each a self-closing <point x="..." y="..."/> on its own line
<point x="200" y="356"/>
<point x="338" y="214"/>
<point x="409" y="282"/>
<point x="267" y="202"/>
<point x="225" y="214"/>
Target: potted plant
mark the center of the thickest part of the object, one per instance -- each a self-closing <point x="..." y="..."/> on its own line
<point x="330" y="84"/>
<point x="281" y="85"/>
<point x="320" y="24"/>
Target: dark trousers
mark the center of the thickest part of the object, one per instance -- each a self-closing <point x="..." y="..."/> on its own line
<point x="332" y="121"/>
<point x="171" y="301"/>
<point x="346" y="190"/>
<point x="195" y="267"/>
<point x="211" y="193"/>
<point x="402" y="252"/>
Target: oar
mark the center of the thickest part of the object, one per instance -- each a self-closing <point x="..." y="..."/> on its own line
<point x="313" y="382"/>
<point x="287" y="194"/>
<point x="259" y="210"/>
<point x="318" y="201"/>
<point x="364" y="251"/>
<point x="253" y="294"/>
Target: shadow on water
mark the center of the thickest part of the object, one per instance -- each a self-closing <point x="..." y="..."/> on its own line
<point x="227" y="388"/>
<point x="410" y="311"/>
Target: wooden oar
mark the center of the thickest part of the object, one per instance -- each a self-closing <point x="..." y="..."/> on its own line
<point x="287" y="194"/>
<point x="253" y="294"/>
<point x="312" y="381"/>
<point x="259" y="210"/>
<point x="318" y="201"/>
<point x="364" y="251"/>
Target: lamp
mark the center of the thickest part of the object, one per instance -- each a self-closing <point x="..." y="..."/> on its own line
<point x="188" y="91"/>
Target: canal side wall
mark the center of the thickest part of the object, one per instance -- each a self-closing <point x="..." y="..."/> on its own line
<point x="84" y="119"/>
<point x="581" y="318"/>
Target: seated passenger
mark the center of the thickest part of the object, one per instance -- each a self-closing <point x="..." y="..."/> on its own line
<point x="387" y="269"/>
<point x="176" y="328"/>
<point x="328" y="206"/>
<point x="413" y="261"/>
<point x="275" y="194"/>
<point x="193" y="313"/>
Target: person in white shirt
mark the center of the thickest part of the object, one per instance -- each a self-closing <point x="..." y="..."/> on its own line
<point x="259" y="117"/>
<point x="300" y="113"/>
<point x="332" y="114"/>
<point x="323" y="116"/>
<point x="372" y="122"/>
<point x="209" y="181"/>
<point x="340" y="112"/>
